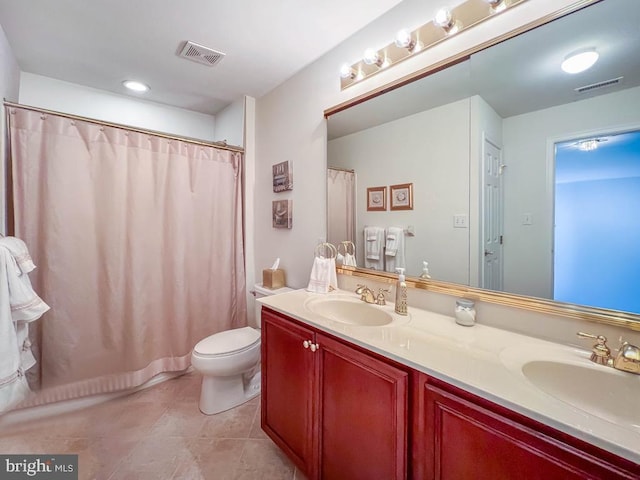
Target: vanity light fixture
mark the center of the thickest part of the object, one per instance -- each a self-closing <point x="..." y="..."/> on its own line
<point x="136" y="86"/>
<point x="447" y="22"/>
<point x="580" y="60"/>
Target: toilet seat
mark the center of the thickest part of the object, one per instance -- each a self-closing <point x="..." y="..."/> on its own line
<point x="229" y="342"/>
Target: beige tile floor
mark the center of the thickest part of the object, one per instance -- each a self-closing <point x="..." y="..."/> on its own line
<point x="157" y="434"/>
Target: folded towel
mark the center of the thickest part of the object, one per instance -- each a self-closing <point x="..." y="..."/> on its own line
<point x="391" y="247"/>
<point x="19" y="252"/>
<point x="394" y="249"/>
<point x="374" y="241"/>
<point x="323" y="276"/>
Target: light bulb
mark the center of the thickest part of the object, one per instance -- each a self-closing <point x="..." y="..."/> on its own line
<point x="403" y="39"/>
<point x="443" y="18"/>
<point x="580" y="60"/>
<point x="497" y="5"/>
<point x="346" y="71"/>
<point x="588" y="145"/>
<point x="371" y="57"/>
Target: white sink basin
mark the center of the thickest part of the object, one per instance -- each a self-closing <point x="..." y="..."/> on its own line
<point x="603" y="391"/>
<point x="569" y="376"/>
<point x="350" y="311"/>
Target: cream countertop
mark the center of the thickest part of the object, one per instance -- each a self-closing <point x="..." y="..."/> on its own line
<point x="480" y="359"/>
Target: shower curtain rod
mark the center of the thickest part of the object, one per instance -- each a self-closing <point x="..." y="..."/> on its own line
<point x="220" y="145"/>
<point x="350" y="170"/>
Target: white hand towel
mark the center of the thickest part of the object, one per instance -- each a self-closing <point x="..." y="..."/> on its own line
<point x="323" y="276"/>
<point x="391" y="246"/>
<point x="349" y="260"/>
<point x="394" y="252"/>
<point x="374" y="241"/>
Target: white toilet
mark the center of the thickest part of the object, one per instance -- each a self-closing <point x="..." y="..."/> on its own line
<point x="229" y="362"/>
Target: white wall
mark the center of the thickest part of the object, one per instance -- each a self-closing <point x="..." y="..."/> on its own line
<point x="52" y="94"/>
<point x="9" y="88"/>
<point x="416" y="149"/>
<point x="291" y="126"/>
<point x="528" y="143"/>
<point x="229" y="124"/>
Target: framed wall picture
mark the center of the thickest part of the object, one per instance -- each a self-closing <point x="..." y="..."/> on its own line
<point x="401" y="196"/>
<point x="282" y="213"/>
<point x="282" y="176"/>
<point x="376" y="199"/>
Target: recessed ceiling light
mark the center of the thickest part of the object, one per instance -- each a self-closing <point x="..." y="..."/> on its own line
<point x="580" y="60"/>
<point x="135" y="86"/>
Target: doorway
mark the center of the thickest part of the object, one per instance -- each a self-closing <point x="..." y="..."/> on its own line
<point x="597" y="221"/>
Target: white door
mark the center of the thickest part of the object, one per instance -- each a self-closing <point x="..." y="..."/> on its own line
<point x="492" y="216"/>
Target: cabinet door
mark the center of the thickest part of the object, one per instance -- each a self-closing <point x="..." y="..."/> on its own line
<point x="466" y="440"/>
<point x="288" y="389"/>
<point x="363" y="415"/>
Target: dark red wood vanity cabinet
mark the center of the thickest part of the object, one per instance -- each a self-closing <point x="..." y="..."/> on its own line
<point x="457" y="435"/>
<point x="337" y="411"/>
<point x="341" y="412"/>
<point x="289" y="389"/>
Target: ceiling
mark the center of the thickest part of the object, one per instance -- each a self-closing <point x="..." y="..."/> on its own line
<point x="522" y="74"/>
<point x="100" y="43"/>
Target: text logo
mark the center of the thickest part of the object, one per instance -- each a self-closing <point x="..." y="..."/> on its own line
<point x="39" y="467"/>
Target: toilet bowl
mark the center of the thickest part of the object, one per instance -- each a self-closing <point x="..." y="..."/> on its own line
<point x="229" y="362"/>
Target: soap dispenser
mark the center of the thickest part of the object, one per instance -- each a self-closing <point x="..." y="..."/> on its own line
<point x="425" y="270"/>
<point x="401" y="293"/>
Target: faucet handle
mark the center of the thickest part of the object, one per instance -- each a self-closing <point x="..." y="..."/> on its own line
<point x="380" y="300"/>
<point x="600" y="352"/>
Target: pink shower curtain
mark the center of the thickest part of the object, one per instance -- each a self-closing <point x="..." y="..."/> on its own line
<point x="139" y="246"/>
<point x="341" y="207"/>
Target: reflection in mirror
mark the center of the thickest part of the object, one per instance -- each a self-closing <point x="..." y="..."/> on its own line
<point x="522" y="182"/>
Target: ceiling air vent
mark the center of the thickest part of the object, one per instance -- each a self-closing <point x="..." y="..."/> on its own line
<point x="201" y="54"/>
<point x="603" y="84"/>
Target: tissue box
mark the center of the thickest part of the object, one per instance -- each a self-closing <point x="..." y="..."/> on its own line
<point x="273" y="278"/>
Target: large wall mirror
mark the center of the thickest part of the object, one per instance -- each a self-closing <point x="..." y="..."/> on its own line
<point x="524" y="179"/>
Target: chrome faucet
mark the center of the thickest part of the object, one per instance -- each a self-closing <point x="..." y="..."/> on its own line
<point x="366" y="295"/>
<point x="627" y="359"/>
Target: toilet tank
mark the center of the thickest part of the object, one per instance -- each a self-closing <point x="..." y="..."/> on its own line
<point x="260" y="291"/>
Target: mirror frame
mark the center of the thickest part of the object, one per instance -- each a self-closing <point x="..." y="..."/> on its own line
<point x="550" y="307"/>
